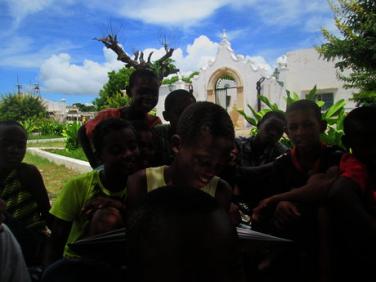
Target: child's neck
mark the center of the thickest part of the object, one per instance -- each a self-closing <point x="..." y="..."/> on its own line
<point x="173" y="177"/>
<point x="308" y="157"/>
<point x="129" y="113"/>
<point x="114" y="182"/>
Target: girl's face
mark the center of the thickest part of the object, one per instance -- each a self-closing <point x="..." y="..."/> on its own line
<point x="120" y="152"/>
<point x="144" y="94"/>
<point x="200" y="162"/>
<point x="12" y="146"/>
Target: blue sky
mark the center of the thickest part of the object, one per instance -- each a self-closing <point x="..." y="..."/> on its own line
<point x="50" y="42"/>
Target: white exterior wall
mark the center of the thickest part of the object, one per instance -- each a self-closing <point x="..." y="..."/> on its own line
<point x="305" y="69"/>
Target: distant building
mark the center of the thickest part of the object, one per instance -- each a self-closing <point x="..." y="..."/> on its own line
<point x="230" y="81"/>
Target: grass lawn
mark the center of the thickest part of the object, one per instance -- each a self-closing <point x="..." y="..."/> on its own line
<point x="54" y="176"/>
<point x="76" y="154"/>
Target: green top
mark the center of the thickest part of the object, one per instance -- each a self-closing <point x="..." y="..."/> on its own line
<point x="73" y="197"/>
<point x="155" y="179"/>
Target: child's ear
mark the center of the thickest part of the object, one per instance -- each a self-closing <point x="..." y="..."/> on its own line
<point x="165" y="116"/>
<point x="128" y="91"/>
<point x="345" y="141"/>
<point x="176" y="143"/>
<point x="323" y="125"/>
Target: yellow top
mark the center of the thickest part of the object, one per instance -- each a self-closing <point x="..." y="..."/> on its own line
<point x="155" y="179"/>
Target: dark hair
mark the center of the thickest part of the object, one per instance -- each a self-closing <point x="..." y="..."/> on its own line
<point x="9" y="123"/>
<point x="360" y="121"/>
<point x="141" y="73"/>
<point x="185" y="215"/>
<point x="272" y="114"/>
<point x="177" y="96"/>
<point x="305" y="105"/>
<point x="106" y="127"/>
<point x="204" y="116"/>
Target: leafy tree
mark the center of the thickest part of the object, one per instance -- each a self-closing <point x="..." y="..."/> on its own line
<point x="85" y="108"/>
<point x="21" y="107"/>
<point x="173" y="79"/>
<point x="356" y="48"/>
<point x="110" y="95"/>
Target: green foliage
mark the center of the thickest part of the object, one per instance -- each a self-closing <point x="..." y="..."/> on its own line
<point x="21" y="107"/>
<point x="43" y="126"/>
<point x="110" y="95"/>
<point x="175" y="78"/>
<point x="85" y="108"/>
<point x="70" y="133"/>
<point x="334" y="116"/>
<point x="355" y="49"/>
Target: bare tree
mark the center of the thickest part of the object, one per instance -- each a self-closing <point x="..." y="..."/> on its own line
<point x="162" y="66"/>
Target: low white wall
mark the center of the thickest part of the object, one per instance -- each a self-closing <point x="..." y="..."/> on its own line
<point x="73" y="164"/>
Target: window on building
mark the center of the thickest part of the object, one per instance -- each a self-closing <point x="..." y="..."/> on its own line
<point x="327" y="98"/>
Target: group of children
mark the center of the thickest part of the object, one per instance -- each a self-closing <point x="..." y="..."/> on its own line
<point x="317" y="195"/>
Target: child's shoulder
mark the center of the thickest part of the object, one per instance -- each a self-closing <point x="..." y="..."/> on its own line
<point x="26" y="170"/>
<point x="84" y="179"/>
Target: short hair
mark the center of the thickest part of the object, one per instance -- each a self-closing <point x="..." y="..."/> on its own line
<point x="305" y="105"/>
<point x="184" y="226"/>
<point x="178" y="96"/>
<point x="272" y="114"/>
<point x="9" y="123"/>
<point x="106" y="127"/>
<point x="147" y="73"/>
<point x="204" y="116"/>
<point x="360" y="120"/>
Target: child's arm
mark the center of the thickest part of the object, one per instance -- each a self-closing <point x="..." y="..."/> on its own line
<point x="32" y="179"/>
<point x="59" y="234"/>
<point x="223" y="194"/>
<point x="86" y="146"/>
<point x="136" y="189"/>
<point x="315" y="190"/>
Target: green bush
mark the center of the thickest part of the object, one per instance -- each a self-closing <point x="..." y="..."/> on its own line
<point x="70" y="133"/>
<point x="334" y="116"/>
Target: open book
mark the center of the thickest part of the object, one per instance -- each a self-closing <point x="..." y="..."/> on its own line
<point x="249" y="234"/>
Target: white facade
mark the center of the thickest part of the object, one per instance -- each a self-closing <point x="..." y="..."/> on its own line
<point x="230" y="80"/>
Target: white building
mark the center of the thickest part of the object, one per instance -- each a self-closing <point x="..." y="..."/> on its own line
<point x="230" y="80"/>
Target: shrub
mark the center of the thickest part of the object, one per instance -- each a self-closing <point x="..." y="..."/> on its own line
<point x="334" y="116"/>
<point x="70" y="133"/>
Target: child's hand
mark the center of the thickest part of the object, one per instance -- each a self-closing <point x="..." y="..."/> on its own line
<point x="99" y="203"/>
<point x="285" y="213"/>
<point x="258" y="211"/>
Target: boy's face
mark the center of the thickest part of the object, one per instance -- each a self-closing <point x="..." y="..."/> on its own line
<point x="12" y="146"/>
<point x="304" y="129"/>
<point x="363" y="146"/>
<point x="144" y="94"/>
<point x="271" y="130"/>
<point x="120" y="151"/>
<point x="198" y="163"/>
<point x="145" y="144"/>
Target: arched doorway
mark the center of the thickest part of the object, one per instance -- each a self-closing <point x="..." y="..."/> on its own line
<point x="225" y="91"/>
<point x="225" y="88"/>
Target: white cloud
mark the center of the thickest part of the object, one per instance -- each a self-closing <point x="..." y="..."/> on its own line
<point x="193" y="57"/>
<point x="260" y="62"/>
<point x="58" y="74"/>
<point x="22" y="8"/>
